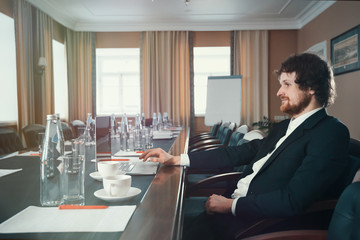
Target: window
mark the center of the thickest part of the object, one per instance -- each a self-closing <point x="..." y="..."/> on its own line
<point x="8" y="79"/>
<point x="208" y="61"/>
<point x="60" y="80"/>
<point x="118" y="81"/>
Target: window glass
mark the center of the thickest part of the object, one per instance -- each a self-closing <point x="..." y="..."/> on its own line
<point x="118" y="81"/>
<point x="60" y="80"/>
<point x="208" y="61"/>
<point x="8" y="79"/>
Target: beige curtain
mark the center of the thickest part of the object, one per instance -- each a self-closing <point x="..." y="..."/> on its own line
<point x="24" y="62"/>
<point x="166" y="74"/>
<point x="250" y="59"/>
<point x="44" y="87"/>
<point x="79" y="65"/>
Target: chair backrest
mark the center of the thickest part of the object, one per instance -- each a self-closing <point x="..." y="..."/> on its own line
<point x="235" y="138"/>
<point x="31" y="134"/>
<point x="243" y="129"/>
<point x="225" y="137"/>
<point x="254" y="134"/>
<point x="345" y="220"/>
<point x="9" y="141"/>
<point x="221" y="129"/>
<point x="215" y="128"/>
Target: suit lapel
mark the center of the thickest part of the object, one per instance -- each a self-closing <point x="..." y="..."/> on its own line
<point x="296" y="134"/>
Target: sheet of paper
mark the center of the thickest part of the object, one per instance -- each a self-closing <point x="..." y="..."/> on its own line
<point x="51" y="219"/>
<point x="4" y="172"/>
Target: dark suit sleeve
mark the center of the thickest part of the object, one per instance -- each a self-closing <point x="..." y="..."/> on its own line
<point x="324" y="159"/>
<point x="225" y="157"/>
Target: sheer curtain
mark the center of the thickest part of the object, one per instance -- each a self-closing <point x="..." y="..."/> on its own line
<point x="79" y="65"/>
<point x="24" y="62"/>
<point x="166" y="74"/>
<point x="250" y="59"/>
<point x="44" y="87"/>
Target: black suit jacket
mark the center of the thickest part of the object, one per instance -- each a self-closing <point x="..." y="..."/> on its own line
<point x="303" y="169"/>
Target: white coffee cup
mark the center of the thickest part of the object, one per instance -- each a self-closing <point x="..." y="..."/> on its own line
<point x="108" y="168"/>
<point x="117" y="186"/>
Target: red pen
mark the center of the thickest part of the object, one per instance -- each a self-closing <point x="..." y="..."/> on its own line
<point x="66" y="207"/>
<point x="118" y="159"/>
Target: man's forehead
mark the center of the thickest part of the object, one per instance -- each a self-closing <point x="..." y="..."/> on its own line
<point x="286" y="76"/>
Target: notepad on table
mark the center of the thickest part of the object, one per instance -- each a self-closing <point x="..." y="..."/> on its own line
<point x="51" y="219"/>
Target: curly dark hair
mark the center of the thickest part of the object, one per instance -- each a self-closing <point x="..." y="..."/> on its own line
<point x="312" y="73"/>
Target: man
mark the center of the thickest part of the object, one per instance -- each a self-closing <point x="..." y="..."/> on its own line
<point x="298" y="163"/>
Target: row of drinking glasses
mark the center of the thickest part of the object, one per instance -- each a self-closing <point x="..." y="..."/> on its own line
<point x="136" y="139"/>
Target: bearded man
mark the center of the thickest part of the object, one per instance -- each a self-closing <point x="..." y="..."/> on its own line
<point x="298" y="163"/>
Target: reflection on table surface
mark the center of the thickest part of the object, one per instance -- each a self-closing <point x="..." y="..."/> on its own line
<point x="159" y="206"/>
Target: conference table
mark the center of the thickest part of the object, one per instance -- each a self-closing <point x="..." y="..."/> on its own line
<point x="159" y="206"/>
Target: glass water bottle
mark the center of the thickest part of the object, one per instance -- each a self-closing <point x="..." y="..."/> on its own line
<point x="51" y="163"/>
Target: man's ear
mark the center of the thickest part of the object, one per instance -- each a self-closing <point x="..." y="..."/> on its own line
<point x="312" y="92"/>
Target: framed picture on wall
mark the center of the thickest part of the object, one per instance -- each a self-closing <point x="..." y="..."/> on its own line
<point x="345" y="51"/>
<point x="319" y="49"/>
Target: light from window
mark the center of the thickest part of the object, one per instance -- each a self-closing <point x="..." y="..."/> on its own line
<point x="8" y="79"/>
<point x="208" y="61"/>
<point x="60" y="80"/>
<point x="118" y="81"/>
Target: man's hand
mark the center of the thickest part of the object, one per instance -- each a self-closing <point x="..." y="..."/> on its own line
<point x="218" y="204"/>
<point x="159" y="155"/>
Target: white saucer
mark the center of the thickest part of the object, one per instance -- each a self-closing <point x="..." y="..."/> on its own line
<point x="133" y="192"/>
<point x="97" y="175"/>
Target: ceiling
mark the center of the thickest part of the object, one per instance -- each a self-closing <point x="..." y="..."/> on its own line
<point x="196" y="15"/>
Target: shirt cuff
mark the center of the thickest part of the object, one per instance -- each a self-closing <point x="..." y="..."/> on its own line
<point x="233" y="206"/>
<point x="184" y="160"/>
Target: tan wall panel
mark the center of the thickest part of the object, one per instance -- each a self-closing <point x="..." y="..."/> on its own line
<point x="339" y="18"/>
<point x="59" y="32"/>
<point x="282" y="44"/>
<point x="118" y="39"/>
<point x="6" y="7"/>
<point x="211" y="39"/>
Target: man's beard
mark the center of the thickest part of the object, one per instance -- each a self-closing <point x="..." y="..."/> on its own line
<point x="298" y="108"/>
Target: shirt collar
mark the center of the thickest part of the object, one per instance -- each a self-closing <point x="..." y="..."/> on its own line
<point x="294" y="123"/>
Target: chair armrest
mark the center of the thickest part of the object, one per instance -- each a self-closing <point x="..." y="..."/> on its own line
<point x="200" y="135"/>
<point x="205" y="142"/>
<point x="225" y="177"/>
<point x="207" y="147"/>
<point x="200" y="139"/>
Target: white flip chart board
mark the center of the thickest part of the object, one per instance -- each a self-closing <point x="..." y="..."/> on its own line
<point x="223" y="100"/>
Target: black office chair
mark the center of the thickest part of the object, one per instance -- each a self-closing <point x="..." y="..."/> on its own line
<point x="234" y="140"/>
<point x="9" y="141"/>
<point x="205" y="135"/>
<point x="208" y="137"/>
<point x="222" y="137"/>
<point x="31" y="134"/>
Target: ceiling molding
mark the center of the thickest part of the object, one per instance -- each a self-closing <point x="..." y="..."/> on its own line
<point x="312" y="11"/>
<point x="187" y="26"/>
<point x="304" y="17"/>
